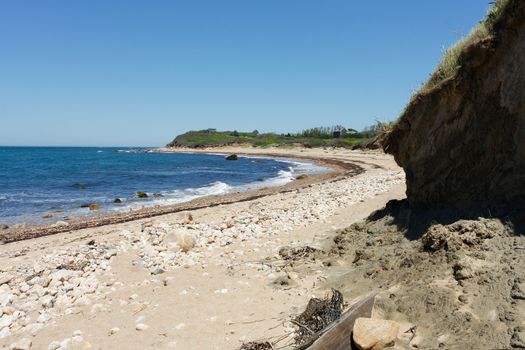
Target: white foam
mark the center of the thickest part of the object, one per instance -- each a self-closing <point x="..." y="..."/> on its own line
<point x="180" y="196"/>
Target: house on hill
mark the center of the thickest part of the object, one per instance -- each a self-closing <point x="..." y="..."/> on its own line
<point x="339" y="132"/>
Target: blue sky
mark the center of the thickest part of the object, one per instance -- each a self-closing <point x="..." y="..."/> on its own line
<point x="128" y="72"/>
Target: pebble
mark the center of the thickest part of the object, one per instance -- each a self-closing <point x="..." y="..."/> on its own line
<point x="6" y="321"/>
<point x="54" y="345"/>
<point x="141" y="327"/>
<point x="114" y="330"/>
<point x="65" y="344"/>
<point x="6" y="298"/>
<point x="8" y="310"/>
<point x="34" y="328"/>
<point x="157" y="271"/>
<point x="42" y="318"/>
<point x="77" y="339"/>
<point x="5" y="332"/>
<point x="22" y="344"/>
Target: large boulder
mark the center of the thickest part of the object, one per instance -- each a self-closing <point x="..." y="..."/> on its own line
<point x="462" y="141"/>
<point x="374" y="334"/>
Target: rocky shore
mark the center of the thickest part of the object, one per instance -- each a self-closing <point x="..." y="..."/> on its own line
<point x="202" y="270"/>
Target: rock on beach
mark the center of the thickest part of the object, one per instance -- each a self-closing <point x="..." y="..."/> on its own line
<point x="374" y="334"/>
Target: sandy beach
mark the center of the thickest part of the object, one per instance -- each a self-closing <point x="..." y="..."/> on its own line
<point x="208" y="278"/>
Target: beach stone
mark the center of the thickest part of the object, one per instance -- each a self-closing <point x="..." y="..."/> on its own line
<point x="232" y="157"/>
<point x="47" y="301"/>
<point x="3" y="227"/>
<point x="157" y="271"/>
<point x="82" y="301"/>
<point x="141" y="327"/>
<point x="65" y="344"/>
<point x="184" y="240"/>
<point x="5" y="278"/>
<point x="62" y="275"/>
<point x="6" y="321"/>
<point x="43" y="318"/>
<point x="60" y="224"/>
<point x="22" y="344"/>
<point x="374" y="334"/>
<point x="54" y="345"/>
<point x="8" y="310"/>
<point x="5" y="332"/>
<point x="6" y="298"/>
<point x="114" y="330"/>
<point x="77" y="339"/>
<point x="34" y="328"/>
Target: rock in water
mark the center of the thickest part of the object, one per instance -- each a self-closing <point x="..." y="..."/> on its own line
<point x="142" y="194"/>
<point x="94" y="206"/>
<point x="460" y="142"/>
<point x="374" y="334"/>
<point x="232" y="157"/>
<point x="117" y="200"/>
<point x="60" y="224"/>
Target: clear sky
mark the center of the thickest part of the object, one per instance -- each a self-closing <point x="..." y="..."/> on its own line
<point x="137" y="73"/>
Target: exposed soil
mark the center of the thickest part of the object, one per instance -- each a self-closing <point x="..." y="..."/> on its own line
<point x="459" y="286"/>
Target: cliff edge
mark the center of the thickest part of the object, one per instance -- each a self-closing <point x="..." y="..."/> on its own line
<point x="461" y="140"/>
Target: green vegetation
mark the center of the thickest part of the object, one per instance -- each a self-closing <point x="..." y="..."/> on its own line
<point x="336" y="136"/>
<point x="452" y="59"/>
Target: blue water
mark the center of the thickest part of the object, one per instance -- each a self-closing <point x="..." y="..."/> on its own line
<point x="38" y="181"/>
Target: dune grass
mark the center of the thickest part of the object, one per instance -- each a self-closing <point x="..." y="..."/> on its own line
<point x="452" y="58"/>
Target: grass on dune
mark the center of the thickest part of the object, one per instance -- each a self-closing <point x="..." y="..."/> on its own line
<point x="452" y="58"/>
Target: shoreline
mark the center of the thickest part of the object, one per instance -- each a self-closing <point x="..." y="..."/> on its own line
<point x="339" y="170"/>
<point x="131" y="284"/>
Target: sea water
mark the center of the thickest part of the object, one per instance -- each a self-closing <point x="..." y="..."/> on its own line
<point x="44" y="184"/>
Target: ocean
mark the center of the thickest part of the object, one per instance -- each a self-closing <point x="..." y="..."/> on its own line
<point x="40" y="185"/>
